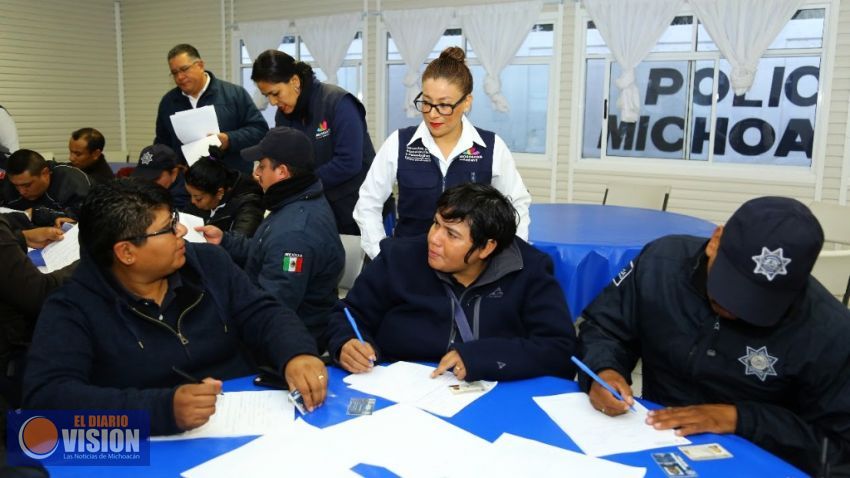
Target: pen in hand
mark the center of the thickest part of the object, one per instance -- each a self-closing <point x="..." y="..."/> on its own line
<point x="356" y="330"/>
<point x="599" y="380"/>
<point x="186" y="375"/>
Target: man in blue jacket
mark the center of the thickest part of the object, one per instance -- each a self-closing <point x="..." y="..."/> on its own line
<point x="296" y="254"/>
<point x="143" y="305"/>
<point x="239" y="121"/>
<point x="735" y="335"/>
<point x="473" y="297"/>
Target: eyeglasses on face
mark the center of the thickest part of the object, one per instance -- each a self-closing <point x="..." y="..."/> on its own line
<point x="170" y="229"/>
<point x="183" y="69"/>
<point x="443" y="108"/>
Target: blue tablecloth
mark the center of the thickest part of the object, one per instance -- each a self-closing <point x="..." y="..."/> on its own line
<point x="508" y="408"/>
<point x="590" y="243"/>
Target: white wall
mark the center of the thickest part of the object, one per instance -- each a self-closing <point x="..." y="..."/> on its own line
<point x="57" y="71"/>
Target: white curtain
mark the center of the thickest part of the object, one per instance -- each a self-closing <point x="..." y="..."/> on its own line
<point x="328" y="39"/>
<point x="496" y="32"/>
<point x="262" y="35"/>
<point x="742" y="31"/>
<point x="415" y="32"/>
<point x="631" y="28"/>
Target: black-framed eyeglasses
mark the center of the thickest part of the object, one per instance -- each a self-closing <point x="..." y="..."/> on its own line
<point x="444" y="109"/>
<point x="170" y="229"/>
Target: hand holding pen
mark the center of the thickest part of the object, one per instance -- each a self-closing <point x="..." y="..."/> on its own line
<point x="357" y="355"/>
<point x="194" y="403"/>
<point x="609" y="393"/>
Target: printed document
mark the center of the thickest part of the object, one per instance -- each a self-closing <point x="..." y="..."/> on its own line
<point x="190" y="221"/>
<point x="411" y="383"/>
<point x="598" y="434"/>
<point x="197" y="129"/>
<point x="59" y="254"/>
<point x="243" y="414"/>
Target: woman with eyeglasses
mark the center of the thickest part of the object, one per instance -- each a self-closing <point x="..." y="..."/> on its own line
<point x="333" y="119"/>
<point x="443" y="151"/>
<point x="224" y="198"/>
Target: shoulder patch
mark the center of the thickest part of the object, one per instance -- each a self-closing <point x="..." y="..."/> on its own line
<point x="621" y="276"/>
<point x="292" y="262"/>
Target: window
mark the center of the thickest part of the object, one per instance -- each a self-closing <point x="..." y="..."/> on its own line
<point x="348" y="76"/>
<point x="685" y="116"/>
<point x="525" y="83"/>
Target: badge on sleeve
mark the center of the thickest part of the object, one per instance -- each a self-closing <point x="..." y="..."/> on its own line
<point x="624" y="273"/>
<point x="292" y="262"/>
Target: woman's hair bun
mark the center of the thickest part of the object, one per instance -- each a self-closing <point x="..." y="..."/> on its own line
<point x="453" y="53"/>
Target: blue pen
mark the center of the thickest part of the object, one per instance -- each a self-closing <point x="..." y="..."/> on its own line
<point x="599" y="380"/>
<point x="353" y="325"/>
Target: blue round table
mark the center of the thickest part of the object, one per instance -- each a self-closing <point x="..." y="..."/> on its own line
<point x="591" y="243"/>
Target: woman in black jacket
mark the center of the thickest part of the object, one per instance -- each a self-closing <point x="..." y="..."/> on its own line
<point x="223" y="197"/>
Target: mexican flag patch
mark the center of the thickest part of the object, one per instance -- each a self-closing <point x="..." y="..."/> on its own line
<point x="292" y="262"/>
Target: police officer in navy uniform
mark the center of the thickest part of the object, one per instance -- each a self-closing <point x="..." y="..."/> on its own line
<point x="333" y="119"/>
<point x="735" y="335"/>
<point x="443" y="151"/>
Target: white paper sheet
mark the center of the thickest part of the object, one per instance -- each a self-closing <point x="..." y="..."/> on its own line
<point x="59" y="254"/>
<point x="194" y="124"/>
<point x="244" y="414"/>
<point x="190" y="221"/>
<point x="410" y="443"/>
<point x="198" y="149"/>
<point x="411" y="383"/>
<point x="296" y="451"/>
<point x="598" y="434"/>
<point x="517" y="456"/>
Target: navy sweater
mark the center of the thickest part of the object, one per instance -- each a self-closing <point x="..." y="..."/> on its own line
<point x="92" y="348"/>
<point x="403" y="309"/>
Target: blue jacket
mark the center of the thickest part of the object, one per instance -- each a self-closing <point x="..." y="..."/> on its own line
<point x="335" y="121"/>
<point x="790" y="383"/>
<point x="93" y="347"/>
<point x="237" y="116"/>
<point x="516" y="311"/>
<point x="295" y="255"/>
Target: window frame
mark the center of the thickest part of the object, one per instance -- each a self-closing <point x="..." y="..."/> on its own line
<point x="238" y="66"/>
<point x="811" y="174"/>
<point x="524" y="160"/>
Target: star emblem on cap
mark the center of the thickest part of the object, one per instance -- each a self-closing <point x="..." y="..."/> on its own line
<point x="771" y="263"/>
<point x="758" y="362"/>
<point x="146" y="158"/>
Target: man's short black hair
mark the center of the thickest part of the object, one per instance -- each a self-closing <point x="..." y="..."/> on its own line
<point x="186" y="48"/>
<point x="94" y="139"/>
<point x="24" y="160"/>
<point x="490" y="215"/>
<point x="118" y="209"/>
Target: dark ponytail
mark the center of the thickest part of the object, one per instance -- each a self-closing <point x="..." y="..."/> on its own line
<point x="274" y="66"/>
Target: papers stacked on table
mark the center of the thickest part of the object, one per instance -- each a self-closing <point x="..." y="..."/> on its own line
<point x="407" y="442"/>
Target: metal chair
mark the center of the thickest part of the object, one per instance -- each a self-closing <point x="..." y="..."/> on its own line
<point x="647" y="196"/>
<point x="354" y="256"/>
